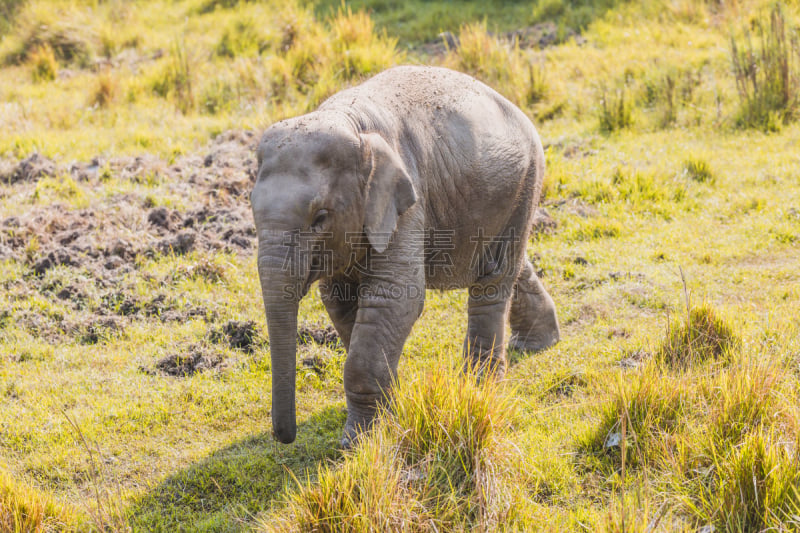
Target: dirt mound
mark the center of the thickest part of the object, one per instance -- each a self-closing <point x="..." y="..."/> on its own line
<point x="163" y="217"/>
<point x="232" y="149"/>
<point x="539" y="36"/>
<point x="166" y="309"/>
<point x="103" y="246"/>
<point x="222" y="228"/>
<point x="574" y="206"/>
<point x="181" y="244"/>
<point x="59" y="256"/>
<point x="48" y="236"/>
<point x="247" y="139"/>
<point x="242" y="335"/>
<point x="323" y="336"/>
<point x="85" y="171"/>
<point x="543" y="222"/>
<point x="121" y="303"/>
<point x="72" y="293"/>
<point x="137" y="168"/>
<point x="29" y="169"/>
<point x="317" y="364"/>
<point x="98" y="330"/>
<point x="195" y="358"/>
<point x="216" y="183"/>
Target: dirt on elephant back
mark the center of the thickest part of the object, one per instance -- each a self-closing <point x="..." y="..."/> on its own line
<point x="90" y="255"/>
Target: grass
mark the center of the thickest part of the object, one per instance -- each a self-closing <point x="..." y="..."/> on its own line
<point x="651" y="410"/>
<point x="43" y="64"/>
<point x="615" y="110"/>
<point x="698" y="170"/>
<point x="768" y="78"/>
<point x="703" y="336"/>
<point x="753" y="486"/>
<point x="439" y="458"/>
<point x="417" y="21"/>
<point x="23" y="509"/>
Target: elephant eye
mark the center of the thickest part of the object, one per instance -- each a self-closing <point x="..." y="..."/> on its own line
<point x="319" y="219"/>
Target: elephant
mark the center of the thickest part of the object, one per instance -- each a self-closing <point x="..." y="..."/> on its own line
<point x="418" y="178"/>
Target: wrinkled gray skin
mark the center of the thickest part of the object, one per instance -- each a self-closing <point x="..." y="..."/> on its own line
<point x="345" y="194"/>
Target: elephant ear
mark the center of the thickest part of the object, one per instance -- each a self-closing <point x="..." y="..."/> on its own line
<point x="389" y="190"/>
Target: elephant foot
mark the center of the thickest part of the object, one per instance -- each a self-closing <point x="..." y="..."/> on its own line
<point x="533" y="318"/>
<point x="533" y="342"/>
<point x="350" y="437"/>
<point x="346" y="443"/>
<point x="361" y="414"/>
<point x="486" y="366"/>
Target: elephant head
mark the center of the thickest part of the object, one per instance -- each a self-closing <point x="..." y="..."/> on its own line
<point x="322" y="191"/>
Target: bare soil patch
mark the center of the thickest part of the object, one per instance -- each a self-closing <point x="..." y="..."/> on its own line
<point x="29" y="169"/>
<point x="115" y="231"/>
<point x="195" y="358"/>
<point x="100" y="249"/>
<point x="241" y="335"/>
<point x="326" y="336"/>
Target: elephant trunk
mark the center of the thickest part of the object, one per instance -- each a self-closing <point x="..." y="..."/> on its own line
<point x="281" y="289"/>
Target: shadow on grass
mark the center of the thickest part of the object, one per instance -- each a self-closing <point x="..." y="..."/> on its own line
<point x="514" y="357"/>
<point x="227" y="490"/>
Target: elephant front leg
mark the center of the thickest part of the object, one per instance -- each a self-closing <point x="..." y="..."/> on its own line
<point x="534" y="324"/>
<point x="383" y="323"/>
<point x="484" y="346"/>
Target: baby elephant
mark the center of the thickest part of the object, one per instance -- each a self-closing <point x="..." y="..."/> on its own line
<point x="418" y="178"/>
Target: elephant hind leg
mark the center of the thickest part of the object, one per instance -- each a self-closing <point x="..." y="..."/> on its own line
<point x="484" y="345"/>
<point x="534" y="324"/>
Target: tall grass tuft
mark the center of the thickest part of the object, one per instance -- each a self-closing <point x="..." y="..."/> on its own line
<point x="242" y="39"/>
<point x="630" y="514"/>
<point x="43" y="63"/>
<point x="438" y="460"/>
<point x="744" y="398"/>
<point x="749" y="487"/>
<point x="365" y="493"/>
<point x="22" y="509"/>
<point x="700" y="336"/>
<point x="175" y="81"/>
<point x="8" y="10"/>
<point x="699" y="170"/>
<point x="768" y="77"/>
<point x="40" y="25"/>
<point x="105" y="90"/>
<point x="362" y="52"/>
<point x="500" y="65"/>
<point x="208" y="6"/>
<point x="448" y="429"/>
<point x="637" y="421"/>
<point x="616" y="110"/>
<point x="537" y="83"/>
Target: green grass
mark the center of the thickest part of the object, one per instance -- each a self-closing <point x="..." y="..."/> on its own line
<point x="672" y="261"/>
<point x="702" y="336"/>
<point x="417" y="21"/>
<point x="25" y="509"/>
<point x="440" y="455"/>
<point x="768" y="77"/>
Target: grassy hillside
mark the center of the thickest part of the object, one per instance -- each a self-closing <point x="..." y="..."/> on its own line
<point x="134" y="359"/>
